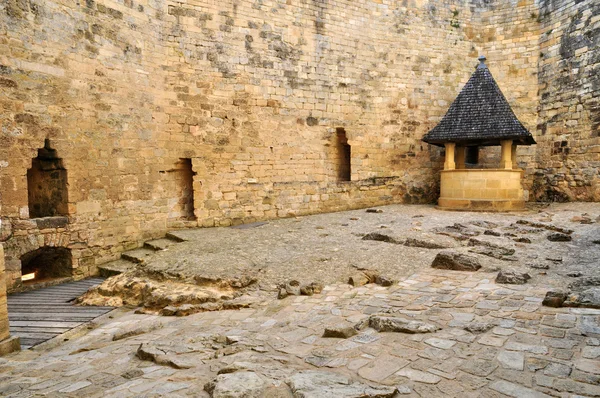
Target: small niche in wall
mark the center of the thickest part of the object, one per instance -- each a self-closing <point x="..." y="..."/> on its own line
<point x="185" y="182"/>
<point x="47" y="184"/>
<point x="46" y="263"/>
<point x="344" y="169"/>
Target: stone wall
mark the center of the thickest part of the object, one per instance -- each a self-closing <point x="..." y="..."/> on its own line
<point x="4" y="333"/>
<point x="568" y="151"/>
<point x="7" y="343"/>
<point x="509" y="36"/>
<point x="254" y="94"/>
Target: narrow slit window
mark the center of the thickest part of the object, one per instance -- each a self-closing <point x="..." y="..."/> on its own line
<point x="344" y="156"/>
<point x="186" y="188"/>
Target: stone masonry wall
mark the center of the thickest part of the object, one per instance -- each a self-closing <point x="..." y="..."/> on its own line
<point x="254" y="92"/>
<point x="4" y="332"/>
<point x="509" y="36"/>
<point x="568" y="150"/>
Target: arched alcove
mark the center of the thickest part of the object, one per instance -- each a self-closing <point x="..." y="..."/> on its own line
<point x="46" y="263"/>
<point x="47" y="184"/>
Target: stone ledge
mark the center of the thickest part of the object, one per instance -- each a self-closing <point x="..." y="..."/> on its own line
<point x="51" y="222"/>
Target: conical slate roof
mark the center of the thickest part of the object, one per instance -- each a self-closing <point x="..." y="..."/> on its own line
<point x="480" y="115"/>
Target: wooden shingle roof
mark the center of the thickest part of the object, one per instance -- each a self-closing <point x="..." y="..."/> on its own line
<point x="480" y="115"/>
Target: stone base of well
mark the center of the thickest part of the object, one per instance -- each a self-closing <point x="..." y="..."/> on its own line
<point x="481" y="190"/>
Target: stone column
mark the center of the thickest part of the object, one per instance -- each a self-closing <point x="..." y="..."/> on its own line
<point x="506" y="161"/>
<point x="513" y="155"/>
<point x="460" y="157"/>
<point x="449" y="163"/>
<point x="7" y="343"/>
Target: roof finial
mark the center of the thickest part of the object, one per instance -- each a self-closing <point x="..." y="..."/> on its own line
<point x="482" y="64"/>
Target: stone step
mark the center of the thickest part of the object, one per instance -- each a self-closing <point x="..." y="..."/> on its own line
<point x="138" y="256"/>
<point x="177" y="236"/>
<point x="115" y="268"/>
<point x="159" y="244"/>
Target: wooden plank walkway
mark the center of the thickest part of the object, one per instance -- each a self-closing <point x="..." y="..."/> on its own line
<point x="39" y="315"/>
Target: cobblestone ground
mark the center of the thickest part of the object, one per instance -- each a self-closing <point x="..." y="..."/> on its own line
<point x="527" y="350"/>
<point x="492" y="340"/>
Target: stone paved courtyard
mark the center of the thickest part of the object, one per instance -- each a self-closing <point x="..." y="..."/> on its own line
<point x="485" y="339"/>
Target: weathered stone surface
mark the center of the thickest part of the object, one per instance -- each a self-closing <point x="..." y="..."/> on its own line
<point x="342" y="331"/>
<point x="516" y="390"/>
<point x="495" y="252"/>
<point x="374" y="210"/>
<point x="479" y="367"/>
<point x="539" y="265"/>
<point x="394" y="324"/>
<point x="136" y="329"/>
<point x="589" y="298"/>
<point x="440" y="343"/>
<point x="377" y="236"/>
<point x="512" y="277"/>
<point x="511" y="360"/>
<point x="558" y="237"/>
<point x="132" y="288"/>
<point x="361" y="278"/>
<point x="238" y="384"/>
<point x="293" y="288"/>
<point x="319" y="384"/>
<point x="455" y="261"/>
<point x="310" y="289"/>
<point x="163" y="355"/>
<point x="427" y="243"/>
<point x="548" y="227"/>
<point x="555" y="299"/>
<point x="584" y="282"/>
<point x="384" y="281"/>
<point x="478" y="327"/>
<point x="419" y="376"/>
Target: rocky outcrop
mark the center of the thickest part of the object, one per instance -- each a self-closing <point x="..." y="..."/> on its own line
<point x="584" y="292"/>
<point x="558" y="237"/>
<point x="161" y="295"/>
<point x="400" y="325"/>
<point x="295" y="288"/>
<point x="365" y="276"/>
<point x="342" y="331"/>
<point x="430" y="243"/>
<point x="456" y="261"/>
<point x="379" y="237"/>
<point x="512" y="277"/>
<point x="167" y="355"/>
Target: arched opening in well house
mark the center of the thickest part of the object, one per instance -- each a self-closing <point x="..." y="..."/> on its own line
<point x="46" y="263"/>
<point x="47" y="184"/>
<point x="344" y="168"/>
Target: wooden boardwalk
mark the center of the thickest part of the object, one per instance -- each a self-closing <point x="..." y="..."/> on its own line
<point x="39" y="315"/>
